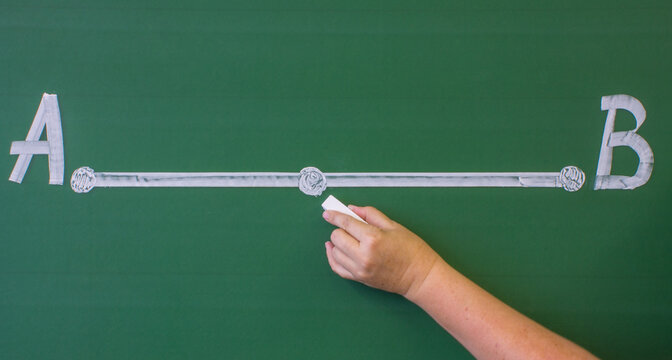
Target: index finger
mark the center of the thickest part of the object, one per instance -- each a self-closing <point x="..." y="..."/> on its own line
<point x="353" y="226"/>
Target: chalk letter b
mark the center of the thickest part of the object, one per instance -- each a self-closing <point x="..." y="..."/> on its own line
<point x="604" y="179"/>
<point x="48" y="115"/>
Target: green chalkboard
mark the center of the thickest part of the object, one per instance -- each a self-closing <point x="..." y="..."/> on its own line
<point x="346" y="86"/>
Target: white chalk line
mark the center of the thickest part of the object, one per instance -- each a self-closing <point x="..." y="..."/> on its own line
<point x="313" y="182"/>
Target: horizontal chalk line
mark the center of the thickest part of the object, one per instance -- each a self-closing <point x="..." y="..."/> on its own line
<point x="312" y="181"/>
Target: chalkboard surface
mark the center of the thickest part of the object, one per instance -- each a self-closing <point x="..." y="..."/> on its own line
<point x="346" y="86"/>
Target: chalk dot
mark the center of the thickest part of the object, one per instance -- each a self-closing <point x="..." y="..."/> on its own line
<point x="312" y="181"/>
<point x="83" y="180"/>
<point x="572" y="178"/>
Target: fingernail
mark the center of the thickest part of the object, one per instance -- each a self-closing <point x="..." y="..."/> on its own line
<point x="325" y="215"/>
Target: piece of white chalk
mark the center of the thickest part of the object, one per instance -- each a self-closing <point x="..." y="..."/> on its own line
<point x="333" y="204"/>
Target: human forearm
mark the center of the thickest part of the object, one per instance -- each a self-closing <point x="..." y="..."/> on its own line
<point x="383" y="254"/>
<point x="487" y="327"/>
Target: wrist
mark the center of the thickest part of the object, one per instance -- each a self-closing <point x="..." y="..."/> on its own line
<point x="423" y="274"/>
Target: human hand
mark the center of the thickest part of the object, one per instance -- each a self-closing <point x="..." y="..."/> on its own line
<point x="387" y="256"/>
<point x="381" y="254"/>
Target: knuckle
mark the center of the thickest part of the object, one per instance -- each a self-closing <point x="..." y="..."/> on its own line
<point x="374" y="237"/>
<point x="361" y="274"/>
<point x="339" y="236"/>
<point x="368" y="251"/>
<point x="367" y="265"/>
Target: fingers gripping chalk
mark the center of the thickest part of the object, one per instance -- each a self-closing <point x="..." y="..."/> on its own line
<point x="333" y="204"/>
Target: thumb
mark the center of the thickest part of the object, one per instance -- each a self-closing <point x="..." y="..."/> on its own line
<point x="372" y="216"/>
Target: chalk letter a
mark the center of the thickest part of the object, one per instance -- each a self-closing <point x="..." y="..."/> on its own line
<point x="604" y="179"/>
<point x="48" y="115"/>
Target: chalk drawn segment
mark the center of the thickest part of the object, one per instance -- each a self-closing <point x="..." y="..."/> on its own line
<point x="312" y="181"/>
<point x="196" y="179"/>
<point x="521" y="179"/>
<point x="441" y="179"/>
<point x="84" y="179"/>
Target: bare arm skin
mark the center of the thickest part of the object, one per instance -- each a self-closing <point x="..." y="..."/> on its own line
<point x="387" y="256"/>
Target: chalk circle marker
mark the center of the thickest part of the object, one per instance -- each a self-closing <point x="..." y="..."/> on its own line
<point x="311" y="181"/>
<point x="571" y="178"/>
<point x="83" y="180"/>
